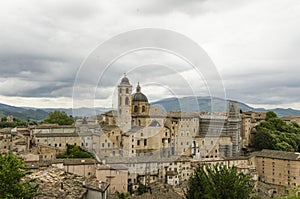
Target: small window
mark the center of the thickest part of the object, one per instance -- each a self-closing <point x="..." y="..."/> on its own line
<point x="143" y="109"/>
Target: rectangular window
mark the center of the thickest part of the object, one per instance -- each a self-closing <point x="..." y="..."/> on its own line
<point x="145" y="142"/>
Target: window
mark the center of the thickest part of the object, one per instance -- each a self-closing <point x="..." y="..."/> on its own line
<point x="135" y="109"/>
<point x="143" y="109"/>
<point x="126" y="101"/>
<point x="145" y="142"/>
<point x="120" y="101"/>
<point x="127" y="90"/>
<point x="138" y="143"/>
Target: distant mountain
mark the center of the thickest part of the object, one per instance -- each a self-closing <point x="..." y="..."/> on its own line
<point x="188" y="104"/>
<point x="39" y="114"/>
<point x="203" y="104"/>
<point x="22" y="113"/>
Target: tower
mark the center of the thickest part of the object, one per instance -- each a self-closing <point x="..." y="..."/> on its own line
<point x="234" y="125"/>
<point x="124" y="104"/>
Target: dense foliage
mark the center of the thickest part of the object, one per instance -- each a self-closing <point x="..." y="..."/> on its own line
<point x="119" y="195"/>
<point x="219" y="182"/>
<point x="276" y="134"/>
<point x="12" y="184"/>
<point x="60" y="118"/>
<point x="75" y="152"/>
<point x="16" y="122"/>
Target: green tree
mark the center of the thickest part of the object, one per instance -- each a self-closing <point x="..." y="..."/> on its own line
<point x="122" y="195"/>
<point x="270" y="114"/>
<point x="262" y="140"/>
<point x="12" y="182"/>
<point x="75" y="152"/>
<point x="59" y="117"/>
<point x="219" y="182"/>
<point x="276" y="134"/>
<point x="142" y="189"/>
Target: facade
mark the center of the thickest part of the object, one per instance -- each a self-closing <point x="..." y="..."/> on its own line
<point x="56" y="136"/>
<point x="279" y="169"/>
<point x="117" y="178"/>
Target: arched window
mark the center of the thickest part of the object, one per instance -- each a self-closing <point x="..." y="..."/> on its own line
<point x="120" y="90"/>
<point x="139" y="122"/>
<point x="136" y="109"/>
<point x="126" y="100"/>
<point x="127" y="90"/>
<point x="143" y="109"/>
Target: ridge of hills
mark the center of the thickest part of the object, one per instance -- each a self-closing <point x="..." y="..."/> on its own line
<point x="187" y="104"/>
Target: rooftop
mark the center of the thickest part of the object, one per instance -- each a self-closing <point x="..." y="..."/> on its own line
<point x="278" y="154"/>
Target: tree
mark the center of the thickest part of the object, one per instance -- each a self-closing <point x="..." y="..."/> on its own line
<point x="219" y="182"/>
<point x="276" y="134"/>
<point x="59" y="117"/>
<point x="12" y="182"/>
<point x="262" y="140"/>
<point x="270" y="114"/>
<point x="122" y="195"/>
<point x="75" y="152"/>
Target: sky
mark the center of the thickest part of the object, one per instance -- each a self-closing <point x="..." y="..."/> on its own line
<point x="254" y="46"/>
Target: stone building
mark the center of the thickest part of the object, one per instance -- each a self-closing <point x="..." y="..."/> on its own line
<point x="249" y="120"/>
<point x="279" y="169"/>
<point x="116" y="176"/>
<point x="56" y="136"/>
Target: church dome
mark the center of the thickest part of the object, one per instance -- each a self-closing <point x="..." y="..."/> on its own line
<point x="139" y="96"/>
<point x="125" y="81"/>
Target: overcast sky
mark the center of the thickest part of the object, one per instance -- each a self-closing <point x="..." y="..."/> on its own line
<point x="255" y="46"/>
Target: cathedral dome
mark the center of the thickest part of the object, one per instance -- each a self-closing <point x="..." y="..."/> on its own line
<point x="139" y="96"/>
<point x="125" y="81"/>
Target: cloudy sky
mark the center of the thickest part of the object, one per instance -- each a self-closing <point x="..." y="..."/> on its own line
<point x="254" y="45"/>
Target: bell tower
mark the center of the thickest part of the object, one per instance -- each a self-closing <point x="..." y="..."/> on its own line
<point x="124" y="104"/>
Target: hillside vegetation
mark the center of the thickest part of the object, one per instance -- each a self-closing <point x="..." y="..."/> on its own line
<point x="276" y="134"/>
